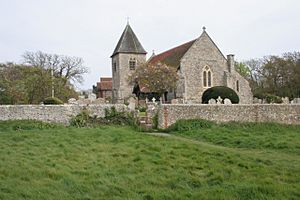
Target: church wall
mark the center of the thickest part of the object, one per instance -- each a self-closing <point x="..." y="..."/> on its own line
<point x="205" y="53"/>
<point x="244" y="92"/>
<point x="202" y="53"/>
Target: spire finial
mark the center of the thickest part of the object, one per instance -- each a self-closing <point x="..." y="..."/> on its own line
<point x="204" y="28"/>
<point x="127" y="20"/>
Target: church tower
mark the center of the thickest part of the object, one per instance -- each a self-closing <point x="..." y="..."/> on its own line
<point x="127" y="56"/>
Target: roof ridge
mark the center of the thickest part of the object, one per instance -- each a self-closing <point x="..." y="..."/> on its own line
<point x="176" y="47"/>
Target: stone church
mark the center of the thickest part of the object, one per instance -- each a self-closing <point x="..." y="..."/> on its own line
<point x="200" y="65"/>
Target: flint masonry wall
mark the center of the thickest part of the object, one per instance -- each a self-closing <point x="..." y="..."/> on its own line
<point x="286" y="114"/>
<point x="52" y="113"/>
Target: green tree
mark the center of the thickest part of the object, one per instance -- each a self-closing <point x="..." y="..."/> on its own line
<point x="158" y="78"/>
<point x="20" y="84"/>
<point x="275" y="75"/>
<point x="242" y="69"/>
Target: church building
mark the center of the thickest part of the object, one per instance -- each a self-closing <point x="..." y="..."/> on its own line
<point x="200" y="65"/>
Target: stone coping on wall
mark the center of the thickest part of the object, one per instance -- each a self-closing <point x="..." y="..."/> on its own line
<point x="279" y="113"/>
<point x="53" y="113"/>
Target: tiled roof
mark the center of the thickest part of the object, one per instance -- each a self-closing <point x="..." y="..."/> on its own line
<point x="129" y="43"/>
<point x="172" y="57"/>
<point x="105" y="79"/>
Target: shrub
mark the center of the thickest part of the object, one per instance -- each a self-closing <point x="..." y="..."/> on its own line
<point x="52" y="101"/>
<point x="223" y="92"/>
<point x="189" y="124"/>
<point x="80" y="120"/>
<point x="155" y="121"/>
<point x="142" y="109"/>
<point x="273" y="98"/>
<point x="112" y="117"/>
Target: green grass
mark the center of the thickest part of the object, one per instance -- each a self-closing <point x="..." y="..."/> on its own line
<point x="54" y="162"/>
<point x="265" y="136"/>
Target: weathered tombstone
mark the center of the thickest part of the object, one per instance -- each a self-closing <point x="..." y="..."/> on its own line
<point x="81" y="97"/>
<point x="72" y="101"/>
<point x="174" y="101"/>
<point x="219" y="100"/>
<point x="153" y="100"/>
<point x="256" y="100"/>
<point x="92" y="97"/>
<point x="99" y="101"/>
<point x="227" y="101"/>
<point x="212" y="101"/>
<point x="285" y="100"/>
<point x="131" y="102"/>
<point x="147" y="100"/>
<point x="294" y="101"/>
<point x="160" y="100"/>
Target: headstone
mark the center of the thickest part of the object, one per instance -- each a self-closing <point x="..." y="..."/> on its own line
<point x="92" y="97"/>
<point x="99" y="101"/>
<point x="72" y="101"/>
<point x="219" y="100"/>
<point x="81" y="97"/>
<point x="153" y="100"/>
<point x="227" y="101"/>
<point x="212" y="101"/>
<point x="295" y="101"/>
<point x="160" y="100"/>
<point x="256" y="100"/>
<point x="174" y="101"/>
<point x="131" y="102"/>
<point x="285" y="100"/>
<point x="147" y="100"/>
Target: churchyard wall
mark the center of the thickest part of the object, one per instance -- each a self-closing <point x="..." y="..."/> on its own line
<point x="279" y="113"/>
<point x="53" y="113"/>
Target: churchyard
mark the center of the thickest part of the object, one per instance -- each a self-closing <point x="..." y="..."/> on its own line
<point x="196" y="160"/>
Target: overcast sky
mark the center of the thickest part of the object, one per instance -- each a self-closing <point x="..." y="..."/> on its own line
<point x="91" y="28"/>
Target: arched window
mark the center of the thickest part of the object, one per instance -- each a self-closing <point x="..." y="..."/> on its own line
<point x="132" y="64"/>
<point x="207" y="77"/>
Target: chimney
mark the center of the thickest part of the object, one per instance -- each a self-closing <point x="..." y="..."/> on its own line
<point x="230" y="62"/>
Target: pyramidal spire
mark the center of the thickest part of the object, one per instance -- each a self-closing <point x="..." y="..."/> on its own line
<point x="129" y="43"/>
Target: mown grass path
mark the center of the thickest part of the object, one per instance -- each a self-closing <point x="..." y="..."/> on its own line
<point x="41" y="162"/>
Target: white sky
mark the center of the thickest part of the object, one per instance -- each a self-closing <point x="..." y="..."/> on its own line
<point x="91" y="28"/>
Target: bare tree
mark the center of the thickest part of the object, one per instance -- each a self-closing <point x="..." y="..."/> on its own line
<point x="69" y="68"/>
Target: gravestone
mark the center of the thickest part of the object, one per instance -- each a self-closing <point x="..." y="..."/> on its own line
<point x="256" y="100"/>
<point x="72" y="101"/>
<point x="92" y="97"/>
<point x="285" y="100"/>
<point x="81" y="97"/>
<point x="227" y="101"/>
<point x="153" y="100"/>
<point x="212" y="101"/>
<point x="131" y="102"/>
<point x="99" y="101"/>
<point x="174" y="101"/>
<point x="219" y="100"/>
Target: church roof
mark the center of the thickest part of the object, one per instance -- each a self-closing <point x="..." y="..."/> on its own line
<point x="129" y="43"/>
<point x="173" y="56"/>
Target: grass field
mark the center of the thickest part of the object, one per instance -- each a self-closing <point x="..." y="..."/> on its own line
<point x="232" y="161"/>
